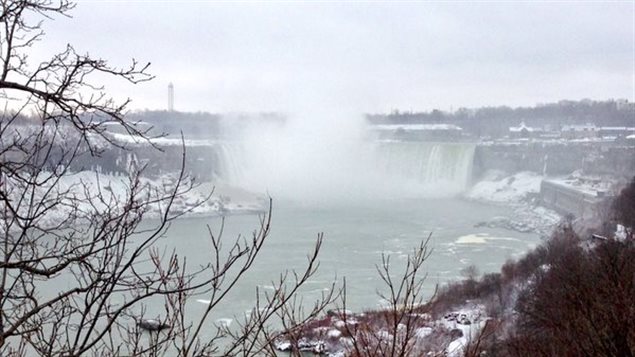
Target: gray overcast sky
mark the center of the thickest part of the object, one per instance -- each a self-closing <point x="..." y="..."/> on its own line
<point x="366" y="57"/>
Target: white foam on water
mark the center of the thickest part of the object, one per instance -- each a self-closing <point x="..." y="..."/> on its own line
<point x="479" y="238"/>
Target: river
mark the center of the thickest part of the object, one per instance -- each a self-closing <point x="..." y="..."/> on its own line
<point x="355" y="236"/>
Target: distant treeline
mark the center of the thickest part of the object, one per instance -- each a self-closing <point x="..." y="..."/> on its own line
<point x="485" y="121"/>
<point x="200" y="124"/>
<point x="193" y="124"/>
<point x="495" y="121"/>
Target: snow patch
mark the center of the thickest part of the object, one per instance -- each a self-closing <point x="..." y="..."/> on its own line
<point x="423" y="332"/>
<point x="83" y="195"/>
<point x="520" y="192"/>
<point x="470" y="320"/>
<point x="496" y="188"/>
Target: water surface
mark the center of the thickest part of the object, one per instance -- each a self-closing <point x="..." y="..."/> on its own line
<point x="355" y="236"/>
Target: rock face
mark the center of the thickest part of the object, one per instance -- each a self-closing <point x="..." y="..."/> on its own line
<point x="200" y="161"/>
<point x="556" y="158"/>
<point x="426" y="161"/>
<point x="568" y="199"/>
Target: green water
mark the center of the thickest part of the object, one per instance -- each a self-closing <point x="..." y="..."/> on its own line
<point x="355" y="236"/>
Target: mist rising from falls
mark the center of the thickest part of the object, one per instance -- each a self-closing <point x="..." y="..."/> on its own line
<point x="333" y="161"/>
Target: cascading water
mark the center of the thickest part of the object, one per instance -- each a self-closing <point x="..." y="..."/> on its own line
<point x="433" y="164"/>
<point x="229" y="161"/>
<point x="388" y="168"/>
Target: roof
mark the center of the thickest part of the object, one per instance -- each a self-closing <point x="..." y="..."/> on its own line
<point x="413" y="127"/>
<point x="521" y="127"/>
<point x="618" y="128"/>
<point x="579" y="127"/>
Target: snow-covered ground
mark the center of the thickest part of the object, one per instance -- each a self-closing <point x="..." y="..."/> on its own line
<point x="591" y="185"/>
<point x="87" y="193"/>
<point x="470" y="320"/>
<point x="161" y="141"/>
<point x="519" y="192"/>
<point x="496" y="186"/>
<point x="335" y="334"/>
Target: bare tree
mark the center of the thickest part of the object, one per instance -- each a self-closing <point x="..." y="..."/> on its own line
<point x="78" y="271"/>
<point x="395" y="330"/>
<point x="581" y="305"/>
<point x="392" y="331"/>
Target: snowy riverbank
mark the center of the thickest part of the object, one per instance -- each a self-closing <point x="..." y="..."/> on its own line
<point x="419" y="332"/>
<point x="81" y="195"/>
<point x="521" y="193"/>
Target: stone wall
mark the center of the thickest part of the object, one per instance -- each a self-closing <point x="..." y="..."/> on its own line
<point x="200" y="161"/>
<point x="554" y="159"/>
<point x="569" y="201"/>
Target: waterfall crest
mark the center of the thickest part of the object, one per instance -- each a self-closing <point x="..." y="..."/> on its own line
<point x="370" y="169"/>
<point x="428" y="163"/>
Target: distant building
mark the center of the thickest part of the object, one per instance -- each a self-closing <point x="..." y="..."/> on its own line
<point x="416" y="132"/>
<point x="523" y="131"/>
<point x="624" y="104"/>
<point x="550" y="131"/>
<point x="616" y="131"/>
<point x="580" y="131"/>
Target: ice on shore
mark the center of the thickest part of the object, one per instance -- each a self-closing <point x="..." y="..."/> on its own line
<point x="520" y="192"/>
<point x="81" y="195"/>
<point x="497" y="187"/>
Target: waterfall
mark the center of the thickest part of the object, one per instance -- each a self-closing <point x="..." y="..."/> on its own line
<point x="229" y="161"/>
<point x="430" y="163"/>
<point x="364" y="170"/>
